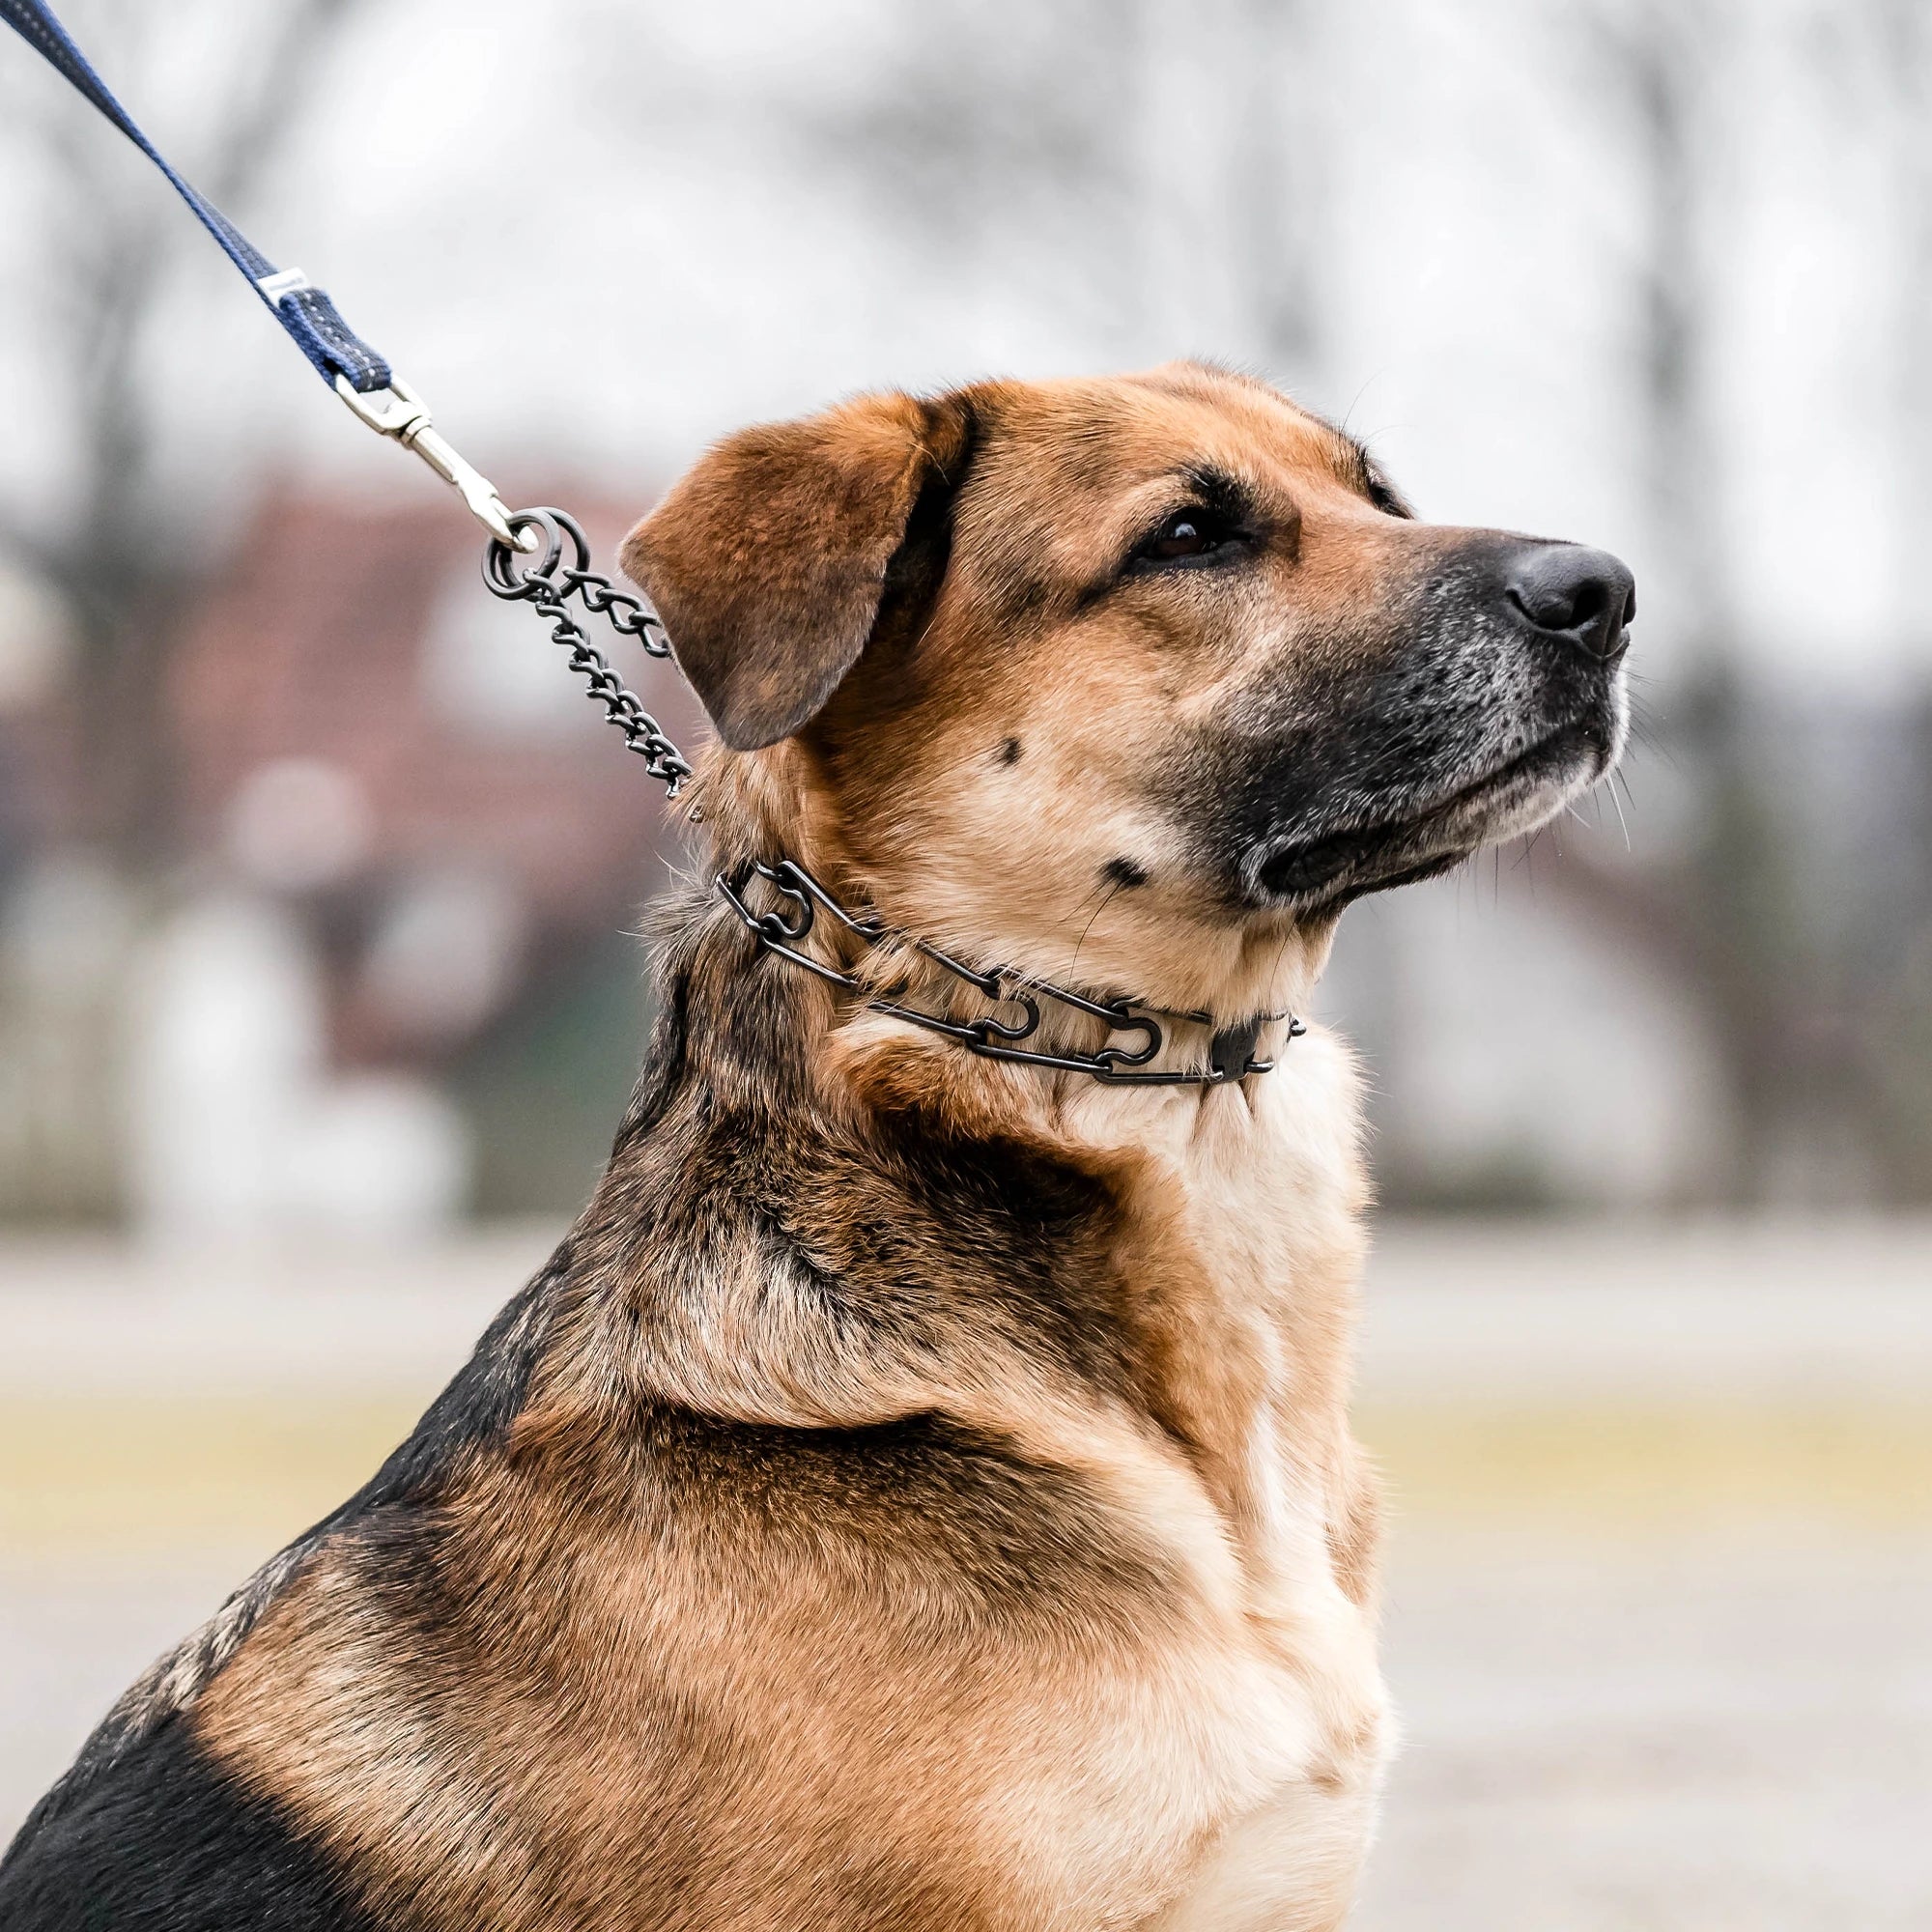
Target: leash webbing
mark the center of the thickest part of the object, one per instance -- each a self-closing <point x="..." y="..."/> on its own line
<point x="357" y="373"/>
<point x="306" y="312"/>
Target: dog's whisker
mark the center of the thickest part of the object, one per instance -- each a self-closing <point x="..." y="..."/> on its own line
<point x="1621" y="821"/>
<point x="1274" y="971"/>
<point x="1529" y="851"/>
<point x="1080" y="906"/>
<point x="1089" y="926"/>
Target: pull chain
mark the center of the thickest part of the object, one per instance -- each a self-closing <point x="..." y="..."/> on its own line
<point x="547" y="586"/>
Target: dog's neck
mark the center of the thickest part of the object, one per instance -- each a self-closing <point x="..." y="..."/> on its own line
<point x="1202" y="1010"/>
<point x="1013" y="1026"/>
<point x="1209" y="1235"/>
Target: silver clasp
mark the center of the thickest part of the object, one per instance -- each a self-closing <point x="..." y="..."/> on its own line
<point x="398" y="412"/>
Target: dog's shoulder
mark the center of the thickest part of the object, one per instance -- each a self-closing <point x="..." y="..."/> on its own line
<point x="478" y="1407"/>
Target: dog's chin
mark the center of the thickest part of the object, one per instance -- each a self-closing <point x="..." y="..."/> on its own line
<point x="1318" y="877"/>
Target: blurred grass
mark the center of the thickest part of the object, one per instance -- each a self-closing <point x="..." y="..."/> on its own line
<point x="130" y="1473"/>
<point x="84" y="1473"/>
<point x="1658" y="1465"/>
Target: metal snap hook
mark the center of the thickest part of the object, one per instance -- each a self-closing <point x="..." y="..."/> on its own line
<point x="397" y="411"/>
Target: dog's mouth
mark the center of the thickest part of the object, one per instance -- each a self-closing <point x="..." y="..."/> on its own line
<point x="1321" y="874"/>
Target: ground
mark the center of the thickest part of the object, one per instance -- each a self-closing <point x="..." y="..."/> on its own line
<point x="1661" y="1589"/>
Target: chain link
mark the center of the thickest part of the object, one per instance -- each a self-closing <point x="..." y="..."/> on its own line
<point x="1229" y="1054"/>
<point x="548" y="586"/>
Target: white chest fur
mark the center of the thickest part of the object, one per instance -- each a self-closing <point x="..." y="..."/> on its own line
<point x="1266" y="1198"/>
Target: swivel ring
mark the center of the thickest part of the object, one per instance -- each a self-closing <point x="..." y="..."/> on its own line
<point x="501" y="576"/>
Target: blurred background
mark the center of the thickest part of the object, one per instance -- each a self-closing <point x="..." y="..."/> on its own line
<point x="319" y="880"/>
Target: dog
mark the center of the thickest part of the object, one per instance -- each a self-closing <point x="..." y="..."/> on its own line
<point x="918" y="1491"/>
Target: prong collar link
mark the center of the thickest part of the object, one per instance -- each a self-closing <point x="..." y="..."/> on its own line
<point x="1230" y="1052"/>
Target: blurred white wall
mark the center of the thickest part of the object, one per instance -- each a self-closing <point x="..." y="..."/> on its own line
<point x="237" y="1130"/>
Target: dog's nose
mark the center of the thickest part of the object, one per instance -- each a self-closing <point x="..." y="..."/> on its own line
<point x="1587" y="596"/>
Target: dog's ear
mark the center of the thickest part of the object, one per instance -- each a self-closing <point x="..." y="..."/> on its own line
<point x="768" y="560"/>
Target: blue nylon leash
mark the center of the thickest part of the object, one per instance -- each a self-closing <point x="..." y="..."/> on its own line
<point x="384" y="401"/>
<point x="356" y="372"/>
<point x="305" y="312"/>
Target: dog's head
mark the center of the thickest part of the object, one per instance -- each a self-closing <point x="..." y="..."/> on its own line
<point x="1147" y="670"/>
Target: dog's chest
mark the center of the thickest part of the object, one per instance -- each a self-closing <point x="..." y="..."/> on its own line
<point x="1241" y="1254"/>
<point x="1249" y="1287"/>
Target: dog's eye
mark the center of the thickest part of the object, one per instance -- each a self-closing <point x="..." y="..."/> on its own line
<point x="1185" y="534"/>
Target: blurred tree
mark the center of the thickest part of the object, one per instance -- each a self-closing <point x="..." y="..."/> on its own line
<point x="1278" y="191"/>
<point x="111" y="536"/>
<point x="1002" y="131"/>
<point x="1111" y="148"/>
<point x="123" y="359"/>
<point x="1897" y="1042"/>
<point x="1771" y="935"/>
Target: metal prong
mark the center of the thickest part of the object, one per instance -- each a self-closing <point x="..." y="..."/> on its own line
<point x="399" y="412"/>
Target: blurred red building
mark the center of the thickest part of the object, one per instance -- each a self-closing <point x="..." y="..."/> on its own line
<point x="366" y="734"/>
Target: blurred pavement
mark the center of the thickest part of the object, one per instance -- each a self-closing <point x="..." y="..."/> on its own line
<point x="1660" y="1579"/>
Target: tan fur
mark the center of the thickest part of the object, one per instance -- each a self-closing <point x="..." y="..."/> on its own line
<point x="692" y="1666"/>
<point x="1070" y="1783"/>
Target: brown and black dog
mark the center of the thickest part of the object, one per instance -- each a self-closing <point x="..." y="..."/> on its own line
<point x="919" y="1490"/>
